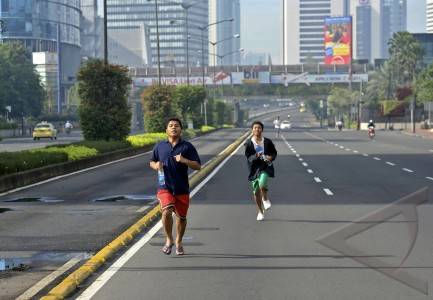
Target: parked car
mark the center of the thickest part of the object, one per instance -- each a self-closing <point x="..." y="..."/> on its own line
<point x="44" y="130"/>
<point x="285" y="125"/>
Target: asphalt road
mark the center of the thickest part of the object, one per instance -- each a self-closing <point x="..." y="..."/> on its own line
<point x="325" y="181"/>
<point x="70" y="223"/>
<point x="26" y="143"/>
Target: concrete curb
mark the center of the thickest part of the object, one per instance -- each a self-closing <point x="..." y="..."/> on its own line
<point x="70" y="283"/>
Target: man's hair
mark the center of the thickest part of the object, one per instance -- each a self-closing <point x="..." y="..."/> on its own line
<point x="173" y="119"/>
<point x="257" y="123"/>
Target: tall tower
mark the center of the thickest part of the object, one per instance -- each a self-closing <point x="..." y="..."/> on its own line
<point x="429" y="21"/>
<point x="303" y="22"/>
<point x="173" y="31"/>
<point x="223" y="10"/>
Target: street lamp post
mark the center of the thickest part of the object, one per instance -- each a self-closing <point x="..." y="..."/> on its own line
<point x="203" y="28"/>
<point x="236" y="36"/>
<point x="105" y="33"/>
<point x="157" y="40"/>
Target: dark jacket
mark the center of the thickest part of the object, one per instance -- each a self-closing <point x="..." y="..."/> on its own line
<point x="255" y="164"/>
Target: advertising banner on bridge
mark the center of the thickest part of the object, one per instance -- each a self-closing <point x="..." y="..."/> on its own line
<point x="251" y="77"/>
<point x="311" y="78"/>
<point x="338" y="40"/>
<point x="178" y="80"/>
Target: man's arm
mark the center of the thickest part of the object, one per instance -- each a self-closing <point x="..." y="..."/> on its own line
<point x="195" y="165"/>
<point x="156" y="165"/>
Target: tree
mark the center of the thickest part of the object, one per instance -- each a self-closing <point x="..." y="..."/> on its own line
<point x="103" y="90"/>
<point x="406" y="55"/>
<point x="424" y="85"/>
<point x="20" y="84"/>
<point x="382" y="85"/>
<point x="158" y="106"/>
<point x="188" y="100"/>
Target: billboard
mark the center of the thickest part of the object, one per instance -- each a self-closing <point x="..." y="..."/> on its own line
<point x="338" y="40"/>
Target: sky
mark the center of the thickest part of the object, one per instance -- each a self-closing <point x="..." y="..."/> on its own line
<point x="261" y="25"/>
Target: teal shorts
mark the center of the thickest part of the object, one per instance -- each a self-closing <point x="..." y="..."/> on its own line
<point x="260" y="182"/>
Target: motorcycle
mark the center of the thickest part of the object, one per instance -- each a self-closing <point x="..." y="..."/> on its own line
<point x="68" y="130"/>
<point x="371" y="132"/>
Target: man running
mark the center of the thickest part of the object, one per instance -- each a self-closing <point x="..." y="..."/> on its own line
<point x="171" y="158"/>
<point x="260" y="153"/>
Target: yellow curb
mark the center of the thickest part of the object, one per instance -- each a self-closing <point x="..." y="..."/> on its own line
<point x="70" y="283"/>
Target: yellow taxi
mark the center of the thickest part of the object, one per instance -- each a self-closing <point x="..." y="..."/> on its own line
<point x="44" y="130"/>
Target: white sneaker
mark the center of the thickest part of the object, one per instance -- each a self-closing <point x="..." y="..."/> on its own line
<point x="266" y="204"/>
<point x="260" y="216"/>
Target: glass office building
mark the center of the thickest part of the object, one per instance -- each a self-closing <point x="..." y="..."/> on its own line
<point x="35" y="22"/>
<point x="124" y="14"/>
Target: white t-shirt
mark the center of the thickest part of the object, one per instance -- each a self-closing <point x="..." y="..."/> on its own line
<point x="259" y="146"/>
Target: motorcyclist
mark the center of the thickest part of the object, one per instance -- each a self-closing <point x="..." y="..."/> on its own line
<point x="68" y="127"/>
<point x="371" y="131"/>
<point x="339" y="124"/>
<point x="371" y="124"/>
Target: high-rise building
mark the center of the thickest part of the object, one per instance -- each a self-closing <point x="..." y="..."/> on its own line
<point x="130" y="47"/>
<point x="228" y="48"/>
<point x="172" y="26"/>
<point x="41" y="26"/>
<point x="303" y="23"/>
<point x="374" y="23"/>
<point x="429" y="21"/>
<point x="92" y="30"/>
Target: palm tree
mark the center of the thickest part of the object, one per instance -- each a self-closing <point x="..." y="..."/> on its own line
<point x="406" y="54"/>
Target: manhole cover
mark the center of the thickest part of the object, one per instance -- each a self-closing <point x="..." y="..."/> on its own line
<point x="34" y="199"/>
<point x="118" y="198"/>
<point x="3" y="209"/>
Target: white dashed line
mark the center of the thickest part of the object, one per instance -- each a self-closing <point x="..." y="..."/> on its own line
<point x="354" y="151"/>
<point x="310" y="171"/>
<point x="328" y="192"/>
<point x="431" y="150"/>
<point x="341" y="147"/>
<point x="365" y="154"/>
<point x="429" y="178"/>
<point x="142" y="209"/>
<point x="301" y="159"/>
<point x="390" y="163"/>
<point x="305" y="164"/>
<point x="407" y="170"/>
<point x="297" y="155"/>
<point x="376" y="158"/>
<point x="317" y="179"/>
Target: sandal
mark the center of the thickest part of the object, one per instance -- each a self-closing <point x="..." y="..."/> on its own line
<point x="179" y="250"/>
<point x="167" y="249"/>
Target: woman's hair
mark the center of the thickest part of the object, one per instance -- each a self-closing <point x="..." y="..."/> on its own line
<point x="257" y="123"/>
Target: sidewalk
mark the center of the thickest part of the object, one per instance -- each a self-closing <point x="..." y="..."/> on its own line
<point x="423" y="133"/>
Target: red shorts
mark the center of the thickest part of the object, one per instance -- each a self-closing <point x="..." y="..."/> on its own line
<point x="179" y="202"/>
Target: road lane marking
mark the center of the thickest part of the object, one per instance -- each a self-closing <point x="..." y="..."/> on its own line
<point x="310" y="171"/>
<point x="341" y="147"/>
<point x="354" y="151"/>
<point x="390" y="163"/>
<point x="301" y="159"/>
<point x="317" y="179"/>
<point x="142" y="209"/>
<point x="347" y="149"/>
<point x="365" y="154"/>
<point x="305" y="164"/>
<point x="328" y="192"/>
<point x="429" y="178"/>
<point x="407" y="170"/>
<point x="376" y="158"/>
<point x="31" y="292"/>
<point x="117" y="265"/>
<point x="431" y="150"/>
<point x="297" y="155"/>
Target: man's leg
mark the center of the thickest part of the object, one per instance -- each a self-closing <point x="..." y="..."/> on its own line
<point x="167" y="223"/>
<point x="180" y="227"/>
<point x="258" y="199"/>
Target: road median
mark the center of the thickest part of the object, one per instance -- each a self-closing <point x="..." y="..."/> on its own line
<point x="71" y="282"/>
